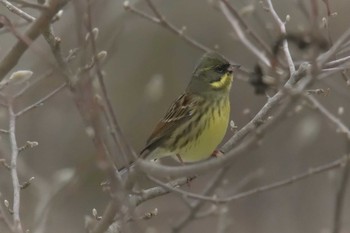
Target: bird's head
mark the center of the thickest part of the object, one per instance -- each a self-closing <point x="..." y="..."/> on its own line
<point x="213" y="74"/>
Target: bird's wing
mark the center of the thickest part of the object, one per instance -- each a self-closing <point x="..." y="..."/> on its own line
<point x="180" y="111"/>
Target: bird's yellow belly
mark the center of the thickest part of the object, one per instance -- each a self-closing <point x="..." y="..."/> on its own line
<point x="204" y="145"/>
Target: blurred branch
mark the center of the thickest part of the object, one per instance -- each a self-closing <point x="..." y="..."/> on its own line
<point x="248" y="30"/>
<point x="325" y="57"/>
<point x="231" y="17"/>
<point x="195" y="207"/>
<point x="12" y="57"/>
<point x="4" y="216"/>
<point x="120" y="140"/>
<point x="341" y="194"/>
<point x="161" y="20"/>
<point x="279" y="184"/>
<point x="17" y="11"/>
<point x="331" y="117"/>
<point x="208" y="190"/>
<point x="41" y="101"/>
<point x="282" y="29"/>
<point x="28" y="4"/>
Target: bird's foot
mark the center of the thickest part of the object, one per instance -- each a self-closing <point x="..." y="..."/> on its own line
<point x="217" y="153"/>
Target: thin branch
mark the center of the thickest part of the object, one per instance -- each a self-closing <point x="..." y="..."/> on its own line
<point x="325" y="57"/>
<point x="279" y="184"/>
<point x="15" y="182"/>
<point x="116" y="131"/>
<point x="12" y="57"/>
<point x="28" y="4"/>
<point x="337" y="62"/>
<point x="282" y="29"/>
<point x="341" y="126"/>
<point x="17" y="11"/>
<point x="41" y="101"/>
<point x="4" y="131"/>
<point x="154" y="192"/>
<point x="247" y="30"/>
<point x="209" y="189"/>
<point x="341" y="195"/>
<point x="166" y="24"/>
<point x="239" y="31"/>
<point x="5" y="216"/>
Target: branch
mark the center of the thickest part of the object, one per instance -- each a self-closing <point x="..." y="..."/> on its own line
<point x="340" y="196"/>
<point x="17" y="11"/>
<point x="154" y="192"/>
<point x="15" y="183"/>
<point x="12" y="57"/>
<point x="41" y="101"/>
<point x="325" y="57"/>
<point x="282" y="30"/>
<point x="331" y="117"/>
<point x="24" y="3"/>
<point x="160" y="19"/>
<point x="235" y="25"/>
<point x="279" y="184"/>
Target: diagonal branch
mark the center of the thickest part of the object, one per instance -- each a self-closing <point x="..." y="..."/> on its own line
<point x="12" y="57"/>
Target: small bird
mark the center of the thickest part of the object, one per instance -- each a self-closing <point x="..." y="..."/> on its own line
<point x="196" y="122"/>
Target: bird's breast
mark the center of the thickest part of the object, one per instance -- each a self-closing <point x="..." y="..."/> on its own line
<point x="205" y="136"/>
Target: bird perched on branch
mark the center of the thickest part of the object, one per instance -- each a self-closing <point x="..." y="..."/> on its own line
<point x="196" y="122"/>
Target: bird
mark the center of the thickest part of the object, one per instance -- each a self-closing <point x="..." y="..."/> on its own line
<point x="196" y="122"/>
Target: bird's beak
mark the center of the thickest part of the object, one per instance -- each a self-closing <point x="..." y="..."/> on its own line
<point x="233" y="67"/>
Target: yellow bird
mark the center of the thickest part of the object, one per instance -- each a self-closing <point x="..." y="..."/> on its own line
<point x="197" y="121"/>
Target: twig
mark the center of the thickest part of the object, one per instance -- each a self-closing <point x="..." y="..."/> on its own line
<point x="24" y="3"/>
<point x="164" y="23"/>
<point x="341" y="126"/>
<point x="210" y="188"/>
<point x="337" y="62"/>
<point x="4" y="131"/>
<point x="197" y="205"/>
<point x="282" y="29"/>
<point x="235" y="25"/>
<point x="41" y="101"/>
<point x="15" y="183"/>
<point x="17" y="11"/>
<point x="116" y="131"/>
<point x="4" y="216"/>
<point x="340" y="195"/>
<point x="154" y="192"/>
<point x="323" y="58"/>
<point x="247" y="30"/>
<point x="12" y="57"/>
<point x="311" y="172"/>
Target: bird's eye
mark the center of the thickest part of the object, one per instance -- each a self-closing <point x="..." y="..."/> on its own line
<point x="222" y="69"/>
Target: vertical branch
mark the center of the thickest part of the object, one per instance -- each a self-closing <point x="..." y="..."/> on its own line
<point x="282" y="29"/>
<point x="14" y="154"/>
<point x="341" y="193"/>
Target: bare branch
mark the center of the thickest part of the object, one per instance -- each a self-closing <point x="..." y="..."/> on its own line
<point x="17" y="11"/>
<point x="282" y="29"/>
<point x="166" y="24"/>
<point x="296" y="178"/>
<point x="235" y="25"/>
<point x="341" y="196"/>
<point x="15" y="182"/>
<point x="341" y="126"/>
<point x="28" y="4"/>
<point x="41" y="101"/>
<point x="12" y="57"/>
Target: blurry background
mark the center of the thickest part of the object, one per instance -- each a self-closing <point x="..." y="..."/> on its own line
<point x="146" y="69"/>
